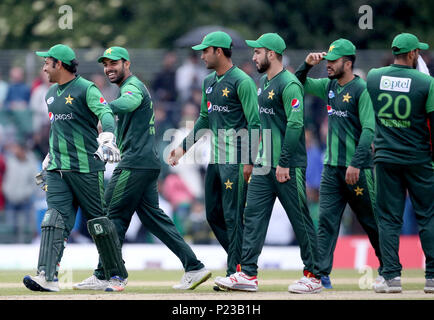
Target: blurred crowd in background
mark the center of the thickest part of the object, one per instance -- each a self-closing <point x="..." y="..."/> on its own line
<point x="176" y="93"/>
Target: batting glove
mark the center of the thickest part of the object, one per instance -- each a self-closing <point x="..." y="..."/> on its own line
<point x="107" y="149"/>
<point x="41" y="180"/>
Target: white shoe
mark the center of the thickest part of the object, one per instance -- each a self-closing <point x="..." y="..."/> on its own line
<point x="388" y="286"/>
<point x="429" y="286"/>
<point x="91" y="283"/>
<point x="117" y="284"/>
<point x="306" y="285"/>
<point x="238" y="281"/>
<point x="191" y="279"/>
<point x="377" y="281"/>
<point x="39" y="283"/>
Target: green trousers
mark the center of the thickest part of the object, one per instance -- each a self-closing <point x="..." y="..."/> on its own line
<point x="225" y="197"/>
<point x="135" y="190"/>
<point x="261" y="195"/>
<point x="69" y="190"/>
<point x="393" y="182"/>
<point x="334" y="195"/>
<point x="66" y="192"/>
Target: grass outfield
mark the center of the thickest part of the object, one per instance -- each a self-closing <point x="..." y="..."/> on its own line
<point x="273" y="284"/>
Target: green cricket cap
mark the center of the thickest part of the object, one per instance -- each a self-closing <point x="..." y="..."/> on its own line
<point x="271" y="41"/>
<point x="340" y="48"/>
<point x="218" y="39"/>
<point x="60" y="52"/>
<point x="115" y="53"/>
<point x="406" y="42"/>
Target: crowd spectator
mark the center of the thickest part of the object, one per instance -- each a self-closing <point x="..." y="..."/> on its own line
<point x="189" y="75"/>
<point x="19" y="188"/>
<point x="3" y="90"/>
<point x="163" y="85"/>
<point x="2" y="197"/>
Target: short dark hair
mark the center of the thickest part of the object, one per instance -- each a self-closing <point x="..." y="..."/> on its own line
<point x="226" y="51"/>
<point x="351" y="58"/>
<point x="401" y="56"/>
<point x="278" y="55"/>
<point x="72" y="68"/>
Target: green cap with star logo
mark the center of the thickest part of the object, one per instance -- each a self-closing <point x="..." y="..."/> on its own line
<point x="271" y="41"/>
<point x="218" y="39"/>
<point x="340" y="48"/>
<point x="115" y="53"/>
<point x="60" y="52"/>
<point x="406" y="42"/>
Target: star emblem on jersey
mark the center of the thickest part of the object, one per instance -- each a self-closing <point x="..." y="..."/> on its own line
<point x="359" y="191"/>
<point x="331" y="48"/>
<point x="346" y="98"/>
<point x="225" y="92"/>
<point x="69" y="99"/>
<point x="228" y="184"/>
<point x="271" y="94"/>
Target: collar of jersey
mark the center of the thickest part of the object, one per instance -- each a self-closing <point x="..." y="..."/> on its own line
<point x="339" y="88"/>
<point x="220" y="78"/>
<point x="400" y="66"/>
<point x="126" y="80"/>
<point x="62" y="87"/>
<point x="267" y="82"/>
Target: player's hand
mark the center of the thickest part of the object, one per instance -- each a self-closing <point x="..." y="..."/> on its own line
<point x="107" y="150"/>
<point x="41" y="180"/>
<point x="282" y="174"/>
<point x="352" y="175"/>
<point x="247" y="171"/>
<point x="174" y="156"/>
<point x="314" y="58"/>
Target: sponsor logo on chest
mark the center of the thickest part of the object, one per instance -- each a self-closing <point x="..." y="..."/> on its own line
<point x="216" y="108"/>
<point x="395" y="84"/>
<point x="337" y="113"/>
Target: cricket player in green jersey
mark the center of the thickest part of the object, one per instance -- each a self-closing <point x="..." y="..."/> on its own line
<point x="73" y="170"/>
<point x="229" y="109"/>
<point x="280" y="171"/>
<point x="403" y="100"/>
<point x="347" y="176"/>
<point x="133" y="186"/>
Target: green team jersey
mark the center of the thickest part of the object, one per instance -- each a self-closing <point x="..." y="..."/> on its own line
<point x="351" y="119"/>
<point x="402" y="98"/>
<point x="229" y="108"/>
<point x="74" y="109"/>
<point x="135" y="131"/>
<point x="281" y="112"/>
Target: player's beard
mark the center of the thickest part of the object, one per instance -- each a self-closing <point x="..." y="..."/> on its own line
<point x="338" y="73"/>
<point x="263" y="66"/>
<point x="120" y="75"/>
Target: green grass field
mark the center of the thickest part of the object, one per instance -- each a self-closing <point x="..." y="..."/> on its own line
<point x="161" y="281"/>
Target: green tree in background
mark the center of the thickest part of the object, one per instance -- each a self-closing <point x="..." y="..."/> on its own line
<point x="26" y="24"/>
